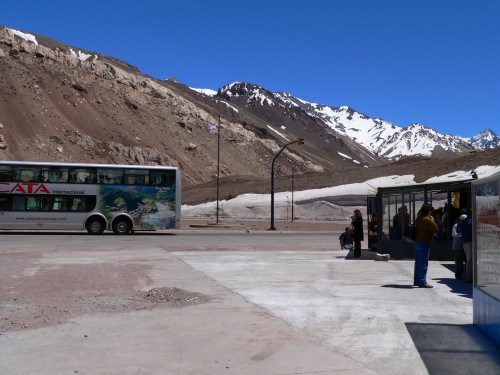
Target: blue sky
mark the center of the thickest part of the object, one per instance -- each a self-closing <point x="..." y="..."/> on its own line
<point x="434" y="62"/>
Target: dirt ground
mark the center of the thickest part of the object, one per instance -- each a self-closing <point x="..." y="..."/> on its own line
<point x="56" y="295"/>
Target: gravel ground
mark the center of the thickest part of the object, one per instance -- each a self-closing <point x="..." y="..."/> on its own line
<point x="57" y="294"/>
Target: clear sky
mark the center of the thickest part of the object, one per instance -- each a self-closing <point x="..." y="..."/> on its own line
<point x="433" y="62"/>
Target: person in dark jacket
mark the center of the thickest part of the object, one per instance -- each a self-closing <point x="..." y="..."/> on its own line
<point x="357" y="235"/>
<point x="458" y="248"/>
<point x="346" y="239"/>
<point x="467" y="238"/>
<point x="426" y="227"/>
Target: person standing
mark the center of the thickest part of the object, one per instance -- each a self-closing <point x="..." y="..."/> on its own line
<point x="357" y="235"/>
<point x="467" y="238"/>
<point x="425" y="227"/>
<point x="400" y="221"/>
<point x="458" y="247"/>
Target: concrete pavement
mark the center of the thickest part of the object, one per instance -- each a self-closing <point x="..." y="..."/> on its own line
<point x="281" y="304"/>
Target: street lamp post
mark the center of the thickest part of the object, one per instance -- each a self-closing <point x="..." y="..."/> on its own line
<point x="212" y="128"/>
<point x="218" y="170"/>
<point x="299" y="141"/>
<point x="292" y="192"/>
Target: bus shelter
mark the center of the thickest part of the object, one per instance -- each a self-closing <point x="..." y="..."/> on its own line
<point x="396" y="207"/>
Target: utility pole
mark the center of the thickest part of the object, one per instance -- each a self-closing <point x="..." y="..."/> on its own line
<point x="211" y="129"/>
<point x="300" y="141"/>
<point x="218" y="171"/>
<point x="293" y="170"/>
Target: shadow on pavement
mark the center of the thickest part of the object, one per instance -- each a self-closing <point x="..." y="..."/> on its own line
<point x="457" y="286"/>
<point x="365" y="255"/>
<point x="455" y="349"/>
<point x="398" y="286"/>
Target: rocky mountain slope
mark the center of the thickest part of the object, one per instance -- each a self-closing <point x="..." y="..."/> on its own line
<point x="60" y="103"/>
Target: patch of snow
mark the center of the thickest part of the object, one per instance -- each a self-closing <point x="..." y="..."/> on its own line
<point x="27" y="37"/>
<point x="230" y="106"/>
<point x="81" y="55"/>
<point x="313" y="204"/>
<point x="208" y="92"/>
<point x="277" y="132"/>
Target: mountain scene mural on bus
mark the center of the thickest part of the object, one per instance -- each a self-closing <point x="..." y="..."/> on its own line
<point x="151" y="207"/>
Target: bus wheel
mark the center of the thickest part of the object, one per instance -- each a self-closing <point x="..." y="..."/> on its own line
<point x="122" y="226"/>
<point x="95" y="225"/>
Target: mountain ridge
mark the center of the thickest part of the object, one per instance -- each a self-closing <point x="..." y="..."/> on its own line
<point x="378" y="135"/>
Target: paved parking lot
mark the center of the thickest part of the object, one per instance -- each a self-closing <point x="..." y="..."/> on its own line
<point x="227" y="303"/>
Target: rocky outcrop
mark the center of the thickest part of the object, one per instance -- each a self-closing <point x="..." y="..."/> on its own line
<point x="142" y="155"/>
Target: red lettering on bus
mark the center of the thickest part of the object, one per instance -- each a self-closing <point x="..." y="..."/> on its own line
<point x="42" y="189"/>
<point x="3" y="190"/>
<point x="24" y="188"/>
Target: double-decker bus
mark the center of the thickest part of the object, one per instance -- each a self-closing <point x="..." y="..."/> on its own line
<point x="95" y="197"/>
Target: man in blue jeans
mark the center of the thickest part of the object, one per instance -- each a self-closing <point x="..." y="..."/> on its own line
<point x="426" y="227"/>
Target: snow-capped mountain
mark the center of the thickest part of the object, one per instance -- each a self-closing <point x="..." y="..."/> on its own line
<point x="255" y="94"/>
<point x="378" y="135"/>
<point x="486" y="140"/>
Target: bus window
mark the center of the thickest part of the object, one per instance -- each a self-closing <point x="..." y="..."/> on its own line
<point x="60" y="204"/>
<point x="136" y="177"/>
<point x="23" y="174"/>
<point x="82" y="204"/>
<point x="82" y="176"/>
<point x="110" y="176"/>
<point x="5" y="173"/>
<point x="31" y="204"/>
<point x="162" y="178"/>
<point x="54" y="174"/>
<point x="45" y="204"/>
<point x="5" y="203"/>
<point x="18" y="203"/>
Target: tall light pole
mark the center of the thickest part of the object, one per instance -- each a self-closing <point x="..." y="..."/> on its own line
<point x="218" y="171"/>
<point x="300" y="141"/>
<point x="293" y="170"/>
<point x="211" y="129"/>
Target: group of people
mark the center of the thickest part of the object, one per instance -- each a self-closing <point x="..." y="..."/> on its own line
<point x="427" y="230"/>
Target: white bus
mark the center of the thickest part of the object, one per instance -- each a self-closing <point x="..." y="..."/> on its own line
<point x="95" y="197"/>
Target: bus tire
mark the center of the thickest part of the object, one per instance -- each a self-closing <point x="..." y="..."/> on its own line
<point x="122" y="225"/>
<point x="95" y="225"/>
